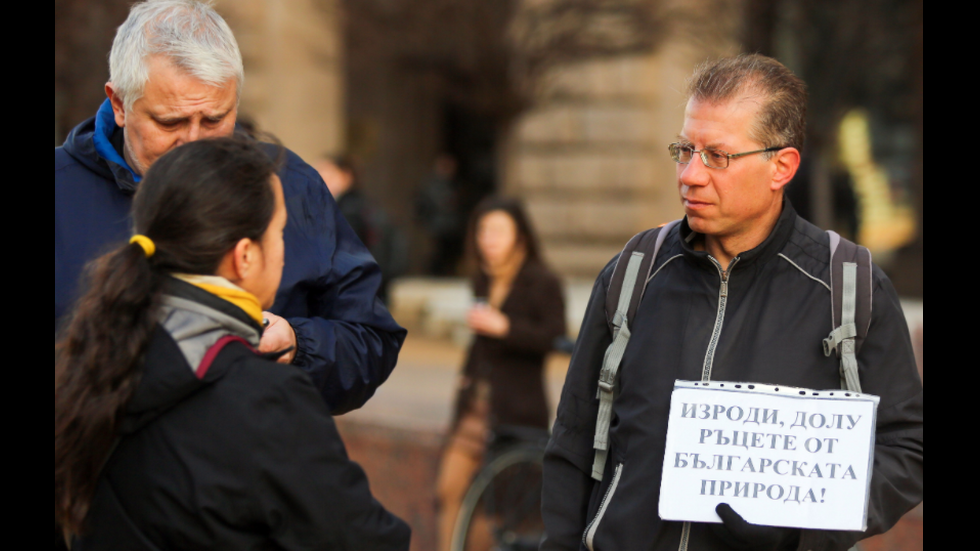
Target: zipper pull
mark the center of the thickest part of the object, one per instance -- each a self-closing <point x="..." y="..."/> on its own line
<point x="726" y="276"/>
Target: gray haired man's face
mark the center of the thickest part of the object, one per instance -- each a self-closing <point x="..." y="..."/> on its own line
<point x="176" y="108"/>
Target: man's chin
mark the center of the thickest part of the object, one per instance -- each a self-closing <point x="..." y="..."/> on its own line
<point x="699" y="224"/>
<point x="137" y="165"/>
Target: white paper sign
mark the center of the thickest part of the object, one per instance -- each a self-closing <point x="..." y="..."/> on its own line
<point x="779" y="456"/>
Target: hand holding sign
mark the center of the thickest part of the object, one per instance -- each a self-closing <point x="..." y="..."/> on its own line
<point x="741" y="535"/>
<point x="781" y="456"/>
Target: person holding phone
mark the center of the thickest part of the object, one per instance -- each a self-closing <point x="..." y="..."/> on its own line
<point x="517" y="316"/>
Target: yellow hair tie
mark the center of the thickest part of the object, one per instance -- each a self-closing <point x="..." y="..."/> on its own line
<point x="146" y="243"/>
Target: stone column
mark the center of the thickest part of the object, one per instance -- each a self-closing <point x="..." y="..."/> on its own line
<point x="294" y="85"/>
<point x="591" y="159"/>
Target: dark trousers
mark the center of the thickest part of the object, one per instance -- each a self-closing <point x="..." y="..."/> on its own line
<point x="59" y="539"/>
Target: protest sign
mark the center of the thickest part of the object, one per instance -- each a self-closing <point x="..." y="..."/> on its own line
<point x="780" y="456"/>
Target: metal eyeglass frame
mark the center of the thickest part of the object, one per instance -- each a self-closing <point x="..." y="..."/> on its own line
<point x="704" y="155"/>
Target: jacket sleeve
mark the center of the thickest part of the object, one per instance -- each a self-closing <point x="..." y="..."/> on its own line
<point x="347" y="340"/>
<point x="312" y="495"/>
<point x="536" y="334"/>
<point x="888" y="370"/>
<point x="568" y="484"/>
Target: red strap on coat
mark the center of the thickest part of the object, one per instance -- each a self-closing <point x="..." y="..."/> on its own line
<point x="213" y="352"/>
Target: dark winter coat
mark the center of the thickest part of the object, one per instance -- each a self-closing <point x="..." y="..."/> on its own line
<point x="348" y="342"/>
<point x="230" y="451"/>
<point x="514" y="366"/>
<point x="778" y="313"/>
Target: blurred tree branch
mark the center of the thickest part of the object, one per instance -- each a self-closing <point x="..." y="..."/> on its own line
<point x="492" y="55"/>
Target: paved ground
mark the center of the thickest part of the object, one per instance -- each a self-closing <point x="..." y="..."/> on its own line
<point x="397" y="438"/>
<point x="421" y="392"/>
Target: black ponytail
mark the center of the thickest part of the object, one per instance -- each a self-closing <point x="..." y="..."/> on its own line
<point x="97" y="372"/>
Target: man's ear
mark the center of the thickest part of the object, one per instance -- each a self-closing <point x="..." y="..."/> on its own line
<point x="118" y="108"/>
<point x="785" y="165"/>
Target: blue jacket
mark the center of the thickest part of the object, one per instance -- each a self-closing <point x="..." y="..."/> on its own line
<point x="348" y="341"/>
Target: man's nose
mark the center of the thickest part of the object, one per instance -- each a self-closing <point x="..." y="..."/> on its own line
<point x="194" y="132"/>
<point x="695" y="173"/>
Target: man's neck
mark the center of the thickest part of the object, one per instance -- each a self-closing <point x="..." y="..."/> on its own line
<point x="727" y="248"/>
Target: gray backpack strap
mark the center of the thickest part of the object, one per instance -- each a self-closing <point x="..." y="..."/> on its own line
<point x="852" y="283"/>
<point x="625" y="292"/>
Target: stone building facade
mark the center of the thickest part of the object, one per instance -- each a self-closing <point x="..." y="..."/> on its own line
<point x="591" y="160"/>
<point x="589" y="156"/>
<point x="293" y="52"/>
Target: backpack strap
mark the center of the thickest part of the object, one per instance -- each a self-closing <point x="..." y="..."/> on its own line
<point x="852" y="284"/>
<point x="626" y="290"/>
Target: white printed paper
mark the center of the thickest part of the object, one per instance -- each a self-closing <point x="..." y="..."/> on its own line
<point x="779" y="456"/>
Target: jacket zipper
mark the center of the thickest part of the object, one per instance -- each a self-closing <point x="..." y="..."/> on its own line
<point x="709" y="359"/>
<point x="590" y="532"/>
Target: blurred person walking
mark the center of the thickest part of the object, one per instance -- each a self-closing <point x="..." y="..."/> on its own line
<point x="176" y="76"/>
<point x="368" y="220"/>
<point x="438" y="208"/>
<point x="520" y="312"/>
<point x="171" y="430"/>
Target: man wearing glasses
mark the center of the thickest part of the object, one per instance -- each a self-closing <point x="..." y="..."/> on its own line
<point x="740" y="291"/>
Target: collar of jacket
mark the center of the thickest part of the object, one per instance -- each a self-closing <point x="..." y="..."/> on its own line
<point x="187" y="291"/>
<point x="765" y="252"/>
<point x="90" y="143"/>
<point x="192" y="322"/>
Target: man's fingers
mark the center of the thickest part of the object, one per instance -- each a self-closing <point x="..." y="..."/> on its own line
<point x="278" y="336"/>
<point x="733" y="520"/>
<point x="732" y="531"/>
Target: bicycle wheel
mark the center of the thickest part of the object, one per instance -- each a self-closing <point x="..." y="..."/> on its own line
<point x="502" y="509"/>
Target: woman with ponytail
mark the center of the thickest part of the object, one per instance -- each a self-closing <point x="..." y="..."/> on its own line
<point x="171" y="432"/>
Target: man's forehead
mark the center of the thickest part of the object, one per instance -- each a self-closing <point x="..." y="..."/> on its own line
<point x="173" y="91"/>
<point x="720" y="122"/>
<point x="749" y="103"/>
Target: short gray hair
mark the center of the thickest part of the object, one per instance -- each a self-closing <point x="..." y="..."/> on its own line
<point x="188" y="32"/>
<point x="782" y="121"/>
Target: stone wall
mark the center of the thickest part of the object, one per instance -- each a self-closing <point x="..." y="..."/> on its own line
<point x="591" y="160"/>
<point x="294" y="85"/>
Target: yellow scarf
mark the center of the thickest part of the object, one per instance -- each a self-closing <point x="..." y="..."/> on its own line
<point x="226" y="290"/>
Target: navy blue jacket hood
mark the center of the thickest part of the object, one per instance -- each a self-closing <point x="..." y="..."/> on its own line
<point x="91" y="145"/>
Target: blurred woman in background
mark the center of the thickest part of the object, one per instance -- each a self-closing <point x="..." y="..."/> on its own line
<point x="170" y="431"/>
<point x="518" y="315"/>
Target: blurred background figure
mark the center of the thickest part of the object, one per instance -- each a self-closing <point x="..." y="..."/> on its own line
<point x="438" y="211"/>
<point x="518" y="314"/>
<point x="370" y="222"/>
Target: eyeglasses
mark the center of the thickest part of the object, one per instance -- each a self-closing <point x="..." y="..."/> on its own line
<point x="712" y="158"/>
